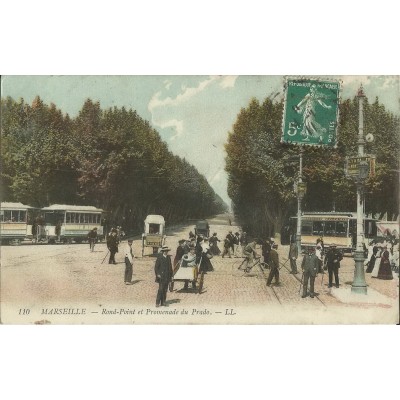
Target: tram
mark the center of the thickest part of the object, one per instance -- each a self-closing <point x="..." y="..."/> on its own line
<point x="339" y="228"/>
<point x="67" y="223"/>
<point x="16" y="222"/>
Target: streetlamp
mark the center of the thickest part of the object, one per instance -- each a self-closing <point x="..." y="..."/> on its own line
<point x="301" y="191"/>
<point x="359" y="285"/>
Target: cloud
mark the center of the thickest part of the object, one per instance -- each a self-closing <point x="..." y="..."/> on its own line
<point x="172" y="123"/>
<point x="167" y="84"/>
<point x="228" y="81"/>
<point x="185" y="95"/>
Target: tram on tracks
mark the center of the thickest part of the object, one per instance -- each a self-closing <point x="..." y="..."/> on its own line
<point x="16" y="222"/>
<point x="339" y="228"/>
<point x="67" y="223"/>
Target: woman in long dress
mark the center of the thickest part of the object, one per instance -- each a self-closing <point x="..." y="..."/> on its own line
<point x="377" y="263"/>
<point x="385" y="269"/>
<point x="371" y="261"/>
<point x="214" y="245"/>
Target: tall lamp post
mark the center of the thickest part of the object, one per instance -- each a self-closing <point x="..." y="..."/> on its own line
<point x="301" y="190"/>
<point x="359" y="285"/>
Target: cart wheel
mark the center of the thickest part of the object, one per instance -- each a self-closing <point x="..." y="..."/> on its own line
<point x="171" y="286"/>
<point x="201" y="282"/>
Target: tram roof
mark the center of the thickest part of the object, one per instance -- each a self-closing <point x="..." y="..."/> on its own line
<point x="66" y="207"/>
<point x="332" y="213"/>
<point x="154" y="219"/>
<point x="14" y="206"/>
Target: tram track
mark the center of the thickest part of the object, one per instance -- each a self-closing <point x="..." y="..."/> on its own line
<point x="40" y="257"/>
<point x="283" y="265"/>
<point x="272" y="287"/>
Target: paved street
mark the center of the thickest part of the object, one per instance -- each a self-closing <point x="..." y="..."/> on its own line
<point x="67" y="284"/>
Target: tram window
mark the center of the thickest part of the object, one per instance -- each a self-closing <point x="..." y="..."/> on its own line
<point x="306" y="228"/>
<point x="1" y="215"/>
<point x="22" y="216"/>
<point x="7" y="216"/>
<point x="318" y="228"/>
<point x="341" y="229"/>
<point x="330" y="229"/>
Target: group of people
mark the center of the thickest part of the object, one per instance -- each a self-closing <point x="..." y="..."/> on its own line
<point x="383" y="258"/>
<point x="198" y="251"/>
<point x="233" y="244"/>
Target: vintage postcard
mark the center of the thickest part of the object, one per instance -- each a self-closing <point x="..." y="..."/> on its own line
<point x="200" y="200"/>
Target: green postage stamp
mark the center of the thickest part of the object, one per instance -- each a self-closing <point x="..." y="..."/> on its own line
<point x="311" y="112"/>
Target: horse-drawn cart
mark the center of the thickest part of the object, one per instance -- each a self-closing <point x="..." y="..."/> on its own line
<point x="154" y="233"/>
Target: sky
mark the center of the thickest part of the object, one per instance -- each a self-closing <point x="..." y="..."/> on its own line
<point x="193" y="114"/>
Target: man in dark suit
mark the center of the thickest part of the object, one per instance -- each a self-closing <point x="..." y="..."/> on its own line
<point x="332" y="262"/>
<point x="310" y="267"/>
<point x="274" y="264"/>
<point x="163" y="271"/>
<point x="112" y="245"/>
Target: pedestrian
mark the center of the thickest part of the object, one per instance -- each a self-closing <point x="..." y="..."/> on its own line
<point x="180" y="251"/>
<point x="293" y="254"/>
<point x="309" y="265"/>
<point x="332" y="263"/>
<point x="227" y="247"/>
<point x="385" y="269"/>
<point x="112" y="245"/>
<point x="236" y="242"/>
<point x="319" y="254"/>
<point x="274" y="264"/>
<point x="243" y="241"/>
<point x="250" y="254"/>
<point x="163" y="271"/>
<point x="266" y="250"/>
<point x="189" y="261"/>
<point x="206" y="256"/>
<point x="231" y="240"/>
<point x="371" y="262"/>
<point x="214" y="245"/>
<point x="92" y="237"/>
<point x="128" y="263"/>
<point x="320" y="241"/>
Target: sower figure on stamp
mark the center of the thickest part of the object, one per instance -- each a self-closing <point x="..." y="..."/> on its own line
<point x="293" y="254"/>
<point x="128" y="263"/>
<point x="310" y="266"/>
<point x="163" y="271"/>
<point x="274" y="264"/>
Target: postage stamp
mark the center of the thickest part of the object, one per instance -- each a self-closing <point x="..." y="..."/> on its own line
<point x="199" y="200"/>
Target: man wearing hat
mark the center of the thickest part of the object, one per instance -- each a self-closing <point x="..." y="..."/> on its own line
<point x="92" y="236"/>
<point x="163" y="271"/>
<point x="128" y="263"/>
<point x="310" y="266"/>
<point x="274" y="264"/>
<point x="112" y="245"/>
<point x="332" y="262"/>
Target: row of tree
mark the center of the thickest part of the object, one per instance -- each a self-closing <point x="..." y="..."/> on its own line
<point x="261" y="180"/>
<point x="112" y="159"/>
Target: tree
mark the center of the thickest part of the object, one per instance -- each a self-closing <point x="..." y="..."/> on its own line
<point x="260" y="181"/>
